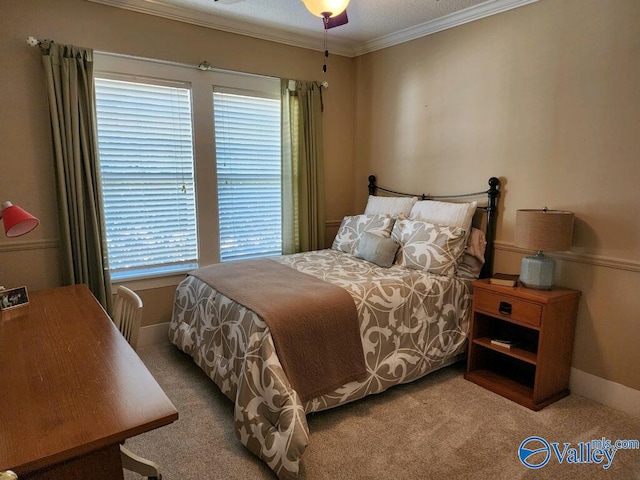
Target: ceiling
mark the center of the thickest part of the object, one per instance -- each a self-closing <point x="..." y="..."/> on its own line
<point x="373" y="24"/>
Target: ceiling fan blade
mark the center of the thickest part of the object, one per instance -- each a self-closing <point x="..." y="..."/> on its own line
<point x="340" y="19"/>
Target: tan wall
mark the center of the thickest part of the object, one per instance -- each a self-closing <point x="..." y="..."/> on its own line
<point x="26" y="159"/>
<point x="545" y="96"/>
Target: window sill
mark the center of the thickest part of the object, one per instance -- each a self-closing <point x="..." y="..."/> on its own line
<point x="151" y="282"/>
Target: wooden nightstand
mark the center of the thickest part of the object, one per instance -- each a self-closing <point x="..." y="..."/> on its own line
<point x="534" y="372"/>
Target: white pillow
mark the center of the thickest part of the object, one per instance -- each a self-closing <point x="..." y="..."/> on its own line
<point x="393" y="206"/>
<point x="445" y="213"/>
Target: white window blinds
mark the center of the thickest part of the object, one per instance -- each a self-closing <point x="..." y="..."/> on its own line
<point x="146" y="163"/>
<point x="247" y="133"/>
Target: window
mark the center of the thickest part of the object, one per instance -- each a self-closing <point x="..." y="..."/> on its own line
<point x="158" y="138"/>
<point x="146" y="164"/>
<point x="248" y="159"/>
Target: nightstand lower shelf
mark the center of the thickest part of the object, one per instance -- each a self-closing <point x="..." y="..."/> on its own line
<point x="515" y="352"/>
<point x="511" y="389"/>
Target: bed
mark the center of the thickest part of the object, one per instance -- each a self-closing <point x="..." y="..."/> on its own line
<point x="411" y="312"/>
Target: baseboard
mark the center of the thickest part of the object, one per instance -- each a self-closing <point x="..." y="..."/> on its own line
<point x="153" y="334"/>
<point x="606" y="392"/>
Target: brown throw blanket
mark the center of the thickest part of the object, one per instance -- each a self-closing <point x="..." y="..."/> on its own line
<point x="314" y="324"/>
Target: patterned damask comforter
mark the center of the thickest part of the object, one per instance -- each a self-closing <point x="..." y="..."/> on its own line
<point x="411" y="323"/>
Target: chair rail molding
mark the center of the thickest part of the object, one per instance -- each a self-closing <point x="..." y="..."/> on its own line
<point x="17" y="246"/>
<point x="332" y="223"/>
<point x="589" y="259"/>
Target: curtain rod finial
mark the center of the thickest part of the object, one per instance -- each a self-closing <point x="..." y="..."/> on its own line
<point x="32" y="41"/>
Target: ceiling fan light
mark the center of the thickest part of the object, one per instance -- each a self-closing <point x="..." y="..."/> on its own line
<point x="319" y="7"/>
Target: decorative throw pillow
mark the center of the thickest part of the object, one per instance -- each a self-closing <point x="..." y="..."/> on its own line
<point x="393" y="206"/>
<point x="376" y="249"/>
<point x="352" y="228"/>
<point x="473" y="256"/>
<point x="445" y="213"/>
<point x="469" y="268"/>
<point x="425" y="246"/>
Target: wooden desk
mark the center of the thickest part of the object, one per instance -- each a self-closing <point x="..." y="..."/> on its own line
<point x="71" y="389"/>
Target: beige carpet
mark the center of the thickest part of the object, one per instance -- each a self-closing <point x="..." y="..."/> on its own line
<point x="439" y="427"/>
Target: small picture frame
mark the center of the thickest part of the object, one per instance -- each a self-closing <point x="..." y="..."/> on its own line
<point x="13" y="298"/>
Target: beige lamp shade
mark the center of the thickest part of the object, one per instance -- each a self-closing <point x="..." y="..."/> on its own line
<point x="544" y="230"/>
<point x="320" y="7"/>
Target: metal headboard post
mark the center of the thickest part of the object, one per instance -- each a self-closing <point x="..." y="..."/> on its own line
<point x="492" y="219"/>
<point x="372" y="184"/>
<point x="492" y="213"/>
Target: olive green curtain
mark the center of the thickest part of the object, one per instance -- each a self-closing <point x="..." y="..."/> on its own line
<point x="302" y="167"/>
<point x="69" y="76"/>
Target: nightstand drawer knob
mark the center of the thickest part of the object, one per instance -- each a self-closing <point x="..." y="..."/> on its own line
<point x="504" y="308"/>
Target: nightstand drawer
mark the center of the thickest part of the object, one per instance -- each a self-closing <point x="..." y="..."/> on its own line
<point x="506" y="306"/>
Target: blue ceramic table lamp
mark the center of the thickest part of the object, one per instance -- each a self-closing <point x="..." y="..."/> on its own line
<point x="542" y="230"/>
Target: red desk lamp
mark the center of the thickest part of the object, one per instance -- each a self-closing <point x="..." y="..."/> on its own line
<point x="16" y="221"/>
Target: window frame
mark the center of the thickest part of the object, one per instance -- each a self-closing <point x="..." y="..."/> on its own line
<point x="264" y="96"/>
<point x="204" y="154"/>
<point x="158" y="269"/>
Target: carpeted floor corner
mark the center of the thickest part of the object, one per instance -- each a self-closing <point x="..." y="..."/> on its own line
<point x="439" y="427"/>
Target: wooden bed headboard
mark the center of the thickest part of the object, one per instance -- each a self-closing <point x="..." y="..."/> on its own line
<point x="491" y="210"/>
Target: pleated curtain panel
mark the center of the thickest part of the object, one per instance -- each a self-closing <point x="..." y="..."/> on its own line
<point x="70" y="87"/>
<point x="69" y="76"/>
<point x="303" y="167"/>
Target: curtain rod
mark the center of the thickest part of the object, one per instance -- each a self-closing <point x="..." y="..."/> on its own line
<point x="203" y="66"/>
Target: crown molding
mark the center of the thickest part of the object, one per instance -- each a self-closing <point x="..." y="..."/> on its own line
<point x="455" y="19"/>
<point x="314" y="42"/>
